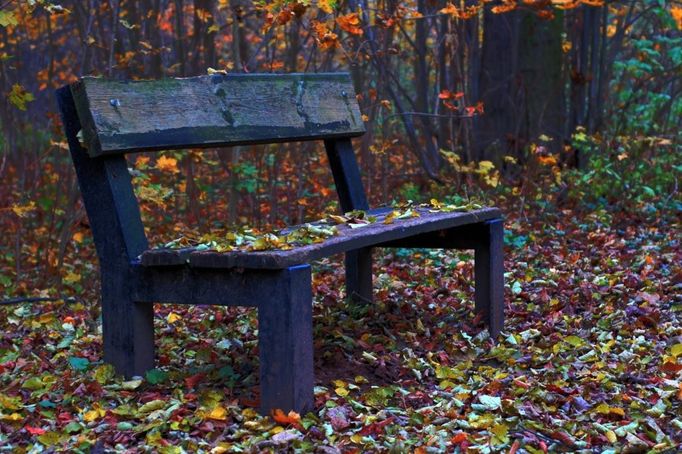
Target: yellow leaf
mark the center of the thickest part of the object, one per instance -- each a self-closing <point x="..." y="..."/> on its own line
<point x="23" y="210"/>
<point x="485" y="166"/>
<point x="343" y="392"/>
<point x="219" y="413"/>
<point x="14" y="417"/>
<point x="499" y="432"/>
<point x="602" y="408"/>
<point x="94" y="414"/>
<point x="212" y="71"/>
<point x="327" y="5"/>
<point x="676" y="350"/>
<point x="72" y="278"/>
<point x="611" y="436"/>
<point x="574" y="341"/>
<point x="173" y="317"/>
<point x="356" y="438"/>
<point x="617" y="411"/>
<point x="151" y="406"/>
<point x="78" y="237"/>
<point x="10" y="403"/>
<point x="222" y="448"/>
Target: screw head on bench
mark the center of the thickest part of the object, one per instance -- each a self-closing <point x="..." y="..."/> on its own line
<point x="115" y="102"/>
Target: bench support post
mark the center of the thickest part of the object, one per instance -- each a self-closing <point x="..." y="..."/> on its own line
<point x="352" y="196"/>
<point x="285" y="343"/>
<point x="489" y="276"/>
<point x="359" y="275"/>
<point x="127" y="327"/>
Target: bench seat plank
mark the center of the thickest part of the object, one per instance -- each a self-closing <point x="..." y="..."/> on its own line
<point x="215" y="111"/>
<point x="347" y="239"/>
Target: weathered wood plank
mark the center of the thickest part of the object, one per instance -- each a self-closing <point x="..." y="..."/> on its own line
<point x="215" y="111"/>
<point x="346" y="240"/>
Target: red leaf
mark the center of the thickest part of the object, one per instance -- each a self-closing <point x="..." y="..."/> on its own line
<point x="194" y="380"/>
<point x="34" y="430"/>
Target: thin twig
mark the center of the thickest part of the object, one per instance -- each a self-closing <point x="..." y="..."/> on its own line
<point x="37" y="299"/>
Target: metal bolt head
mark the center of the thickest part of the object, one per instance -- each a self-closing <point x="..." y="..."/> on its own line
<point x="344" y="94"/>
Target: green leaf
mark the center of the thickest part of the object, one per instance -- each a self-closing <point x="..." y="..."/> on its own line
<point x="5" y="281"/>
<point x="124" y="425"/>
<point x="50" y="438"/>
<point x="574" y="341"/>
<point x="65" y="342"/>
<point x="499" y="432"/>
<point x="104" y="373"/>
<point x="78" y="363"/>
<point x="19" y="96"/>
<point x="149" y="407"/>
<point x="156" y="376"/>
<point x="131" y="384"/>
<point x="490" y="402"/>
<point x="33" y="383"/>
<point x="73" y="427"/>
<point x="8" y="18"/>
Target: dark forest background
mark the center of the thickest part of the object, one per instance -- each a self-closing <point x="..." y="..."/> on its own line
<point x="456" y="97"/>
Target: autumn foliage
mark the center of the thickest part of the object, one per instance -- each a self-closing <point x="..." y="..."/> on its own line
<point x="566" y="114"/>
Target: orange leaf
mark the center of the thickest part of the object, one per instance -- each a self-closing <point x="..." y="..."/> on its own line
<point x="547" y="160"/>
<point x="292" y="418"/>
<point x="167" y="164"/>
<point x="284" y="16"/>
<point x="350" y="23"/>
<point x="460" y="437"/>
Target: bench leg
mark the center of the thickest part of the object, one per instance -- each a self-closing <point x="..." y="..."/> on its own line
<point x="359" y="275"/>
<point x="489" y="275"/>
<point x="285" y="342"/>
<point x="127" y="328"/>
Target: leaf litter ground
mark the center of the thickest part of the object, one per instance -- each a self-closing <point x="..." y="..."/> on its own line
<point x="590" y="359"/>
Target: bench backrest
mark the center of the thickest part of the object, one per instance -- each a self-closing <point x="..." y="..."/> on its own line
<point x="214" y="111"/>
<point x="208" y="111"/>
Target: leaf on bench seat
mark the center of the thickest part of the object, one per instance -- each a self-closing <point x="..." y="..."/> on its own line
<point x="286" y="239"/>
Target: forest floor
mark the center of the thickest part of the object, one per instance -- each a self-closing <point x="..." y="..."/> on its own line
<point x="590" y="358"/>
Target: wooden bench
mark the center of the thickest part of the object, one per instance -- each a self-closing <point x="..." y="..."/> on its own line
<point x="117" y="117"/>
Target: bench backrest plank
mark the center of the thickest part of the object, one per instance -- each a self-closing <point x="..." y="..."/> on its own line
<point x="215" y="111"/>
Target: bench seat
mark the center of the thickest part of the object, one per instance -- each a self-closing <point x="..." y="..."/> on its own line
<point x="347" y="239"/>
